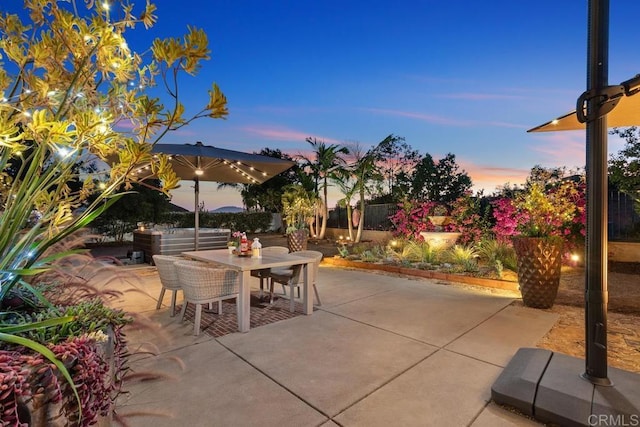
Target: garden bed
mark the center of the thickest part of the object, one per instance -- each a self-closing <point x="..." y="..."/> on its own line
<point x="427" y="274"/>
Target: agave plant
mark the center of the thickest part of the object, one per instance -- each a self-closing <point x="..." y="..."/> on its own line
<point x="68" y="82"/>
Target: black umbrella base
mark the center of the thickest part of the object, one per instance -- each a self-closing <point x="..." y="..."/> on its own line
<point x="548" y="387"/>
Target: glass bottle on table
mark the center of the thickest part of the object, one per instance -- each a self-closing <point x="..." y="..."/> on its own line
<point x="244" y="245"/>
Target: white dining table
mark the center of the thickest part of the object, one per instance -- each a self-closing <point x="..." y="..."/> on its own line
<point x="249" y="263"/>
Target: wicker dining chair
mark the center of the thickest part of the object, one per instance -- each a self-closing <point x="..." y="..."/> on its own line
<point x="293" y="277"/>
<point x="168" y="278"/>
<point x="206" y="284"/>
<point x="263" y="274"/>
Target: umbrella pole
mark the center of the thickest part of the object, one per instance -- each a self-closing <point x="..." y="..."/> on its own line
<point x="596" y="294"/>
<point x="196" y="187"/>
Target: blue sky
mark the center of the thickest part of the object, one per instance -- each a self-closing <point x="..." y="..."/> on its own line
<point x="465" y="77"/>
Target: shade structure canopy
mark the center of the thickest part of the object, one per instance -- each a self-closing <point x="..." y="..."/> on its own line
<point x="208" y="163"/>
<point x="621" y="104"/>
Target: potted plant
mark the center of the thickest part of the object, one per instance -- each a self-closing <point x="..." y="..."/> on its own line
<point x="234" y="242"/>
<point x="298" y="209"/>
<point x="541" y="217"/>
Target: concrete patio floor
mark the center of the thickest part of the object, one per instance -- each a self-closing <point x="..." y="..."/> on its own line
<point x="380" y="351"/>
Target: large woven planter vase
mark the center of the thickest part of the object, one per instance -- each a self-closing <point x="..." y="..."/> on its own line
<point x="539" y="264"/>
<point x="297" y="240"/>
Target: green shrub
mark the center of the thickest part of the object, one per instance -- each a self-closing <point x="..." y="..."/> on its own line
<point x="89" y="316"/>
<point x="491" y="250"/>
<point x="499" y="268"/>
<point x="360" y="248"/>
<point x="465" y="256"/>
<point x="368" y="256"/>
<point x="343" y="250"/>
<point x="417" y="251"/>
<point x="250" y="222"/>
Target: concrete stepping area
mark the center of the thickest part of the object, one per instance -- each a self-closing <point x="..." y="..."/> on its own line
<point x="380" y="351"/>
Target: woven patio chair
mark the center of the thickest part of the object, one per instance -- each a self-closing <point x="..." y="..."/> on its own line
<point x="168" y="278"/>
<point x="263" y="274"/>
<point x="293" y="277"/>
<point x="206" y="284"/>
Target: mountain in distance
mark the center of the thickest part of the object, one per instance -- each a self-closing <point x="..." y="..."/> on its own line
<point x="176" y="208"/>
<point x="228" y="209"/>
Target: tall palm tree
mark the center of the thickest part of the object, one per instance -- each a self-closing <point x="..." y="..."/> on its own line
<point x="364" y="178"/>
<point x="346" y="183"/>
<point x="328" y="159"/>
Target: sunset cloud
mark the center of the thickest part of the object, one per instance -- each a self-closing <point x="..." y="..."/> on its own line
<point x="430" y="118"/>
<point x="505" y="125"/>
<point x="285" y="134"/>
<point x="490" y="177"/>
<point x="479" y="96"/>
<point x="441" y="120"/>
<point x="562" y="148"/>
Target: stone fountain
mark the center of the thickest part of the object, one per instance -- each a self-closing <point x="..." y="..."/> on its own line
<point x="439" y="238"/>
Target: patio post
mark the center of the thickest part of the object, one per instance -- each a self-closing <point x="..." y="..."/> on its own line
<point x="196" y="212"/>
<point x="596" y="294"/>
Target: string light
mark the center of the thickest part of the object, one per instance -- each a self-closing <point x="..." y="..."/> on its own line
<point x="63" y="152"/>
<point x="235" y="165"/>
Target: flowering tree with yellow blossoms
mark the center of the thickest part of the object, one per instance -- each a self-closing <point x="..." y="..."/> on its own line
<point x="72" y="92"/>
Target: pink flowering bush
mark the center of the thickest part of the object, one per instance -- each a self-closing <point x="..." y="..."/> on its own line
<point x="508" y="218"/>
<point x="412" y="218"/>
<point x="470" y="218"/>
<point x="467" y="217"/>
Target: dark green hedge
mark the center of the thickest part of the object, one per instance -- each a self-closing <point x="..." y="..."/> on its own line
<point x="250" y="222"/>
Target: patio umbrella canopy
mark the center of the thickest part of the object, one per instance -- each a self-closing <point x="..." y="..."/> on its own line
<point x="207" y="163"/>
<point x="621" y="103"/>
